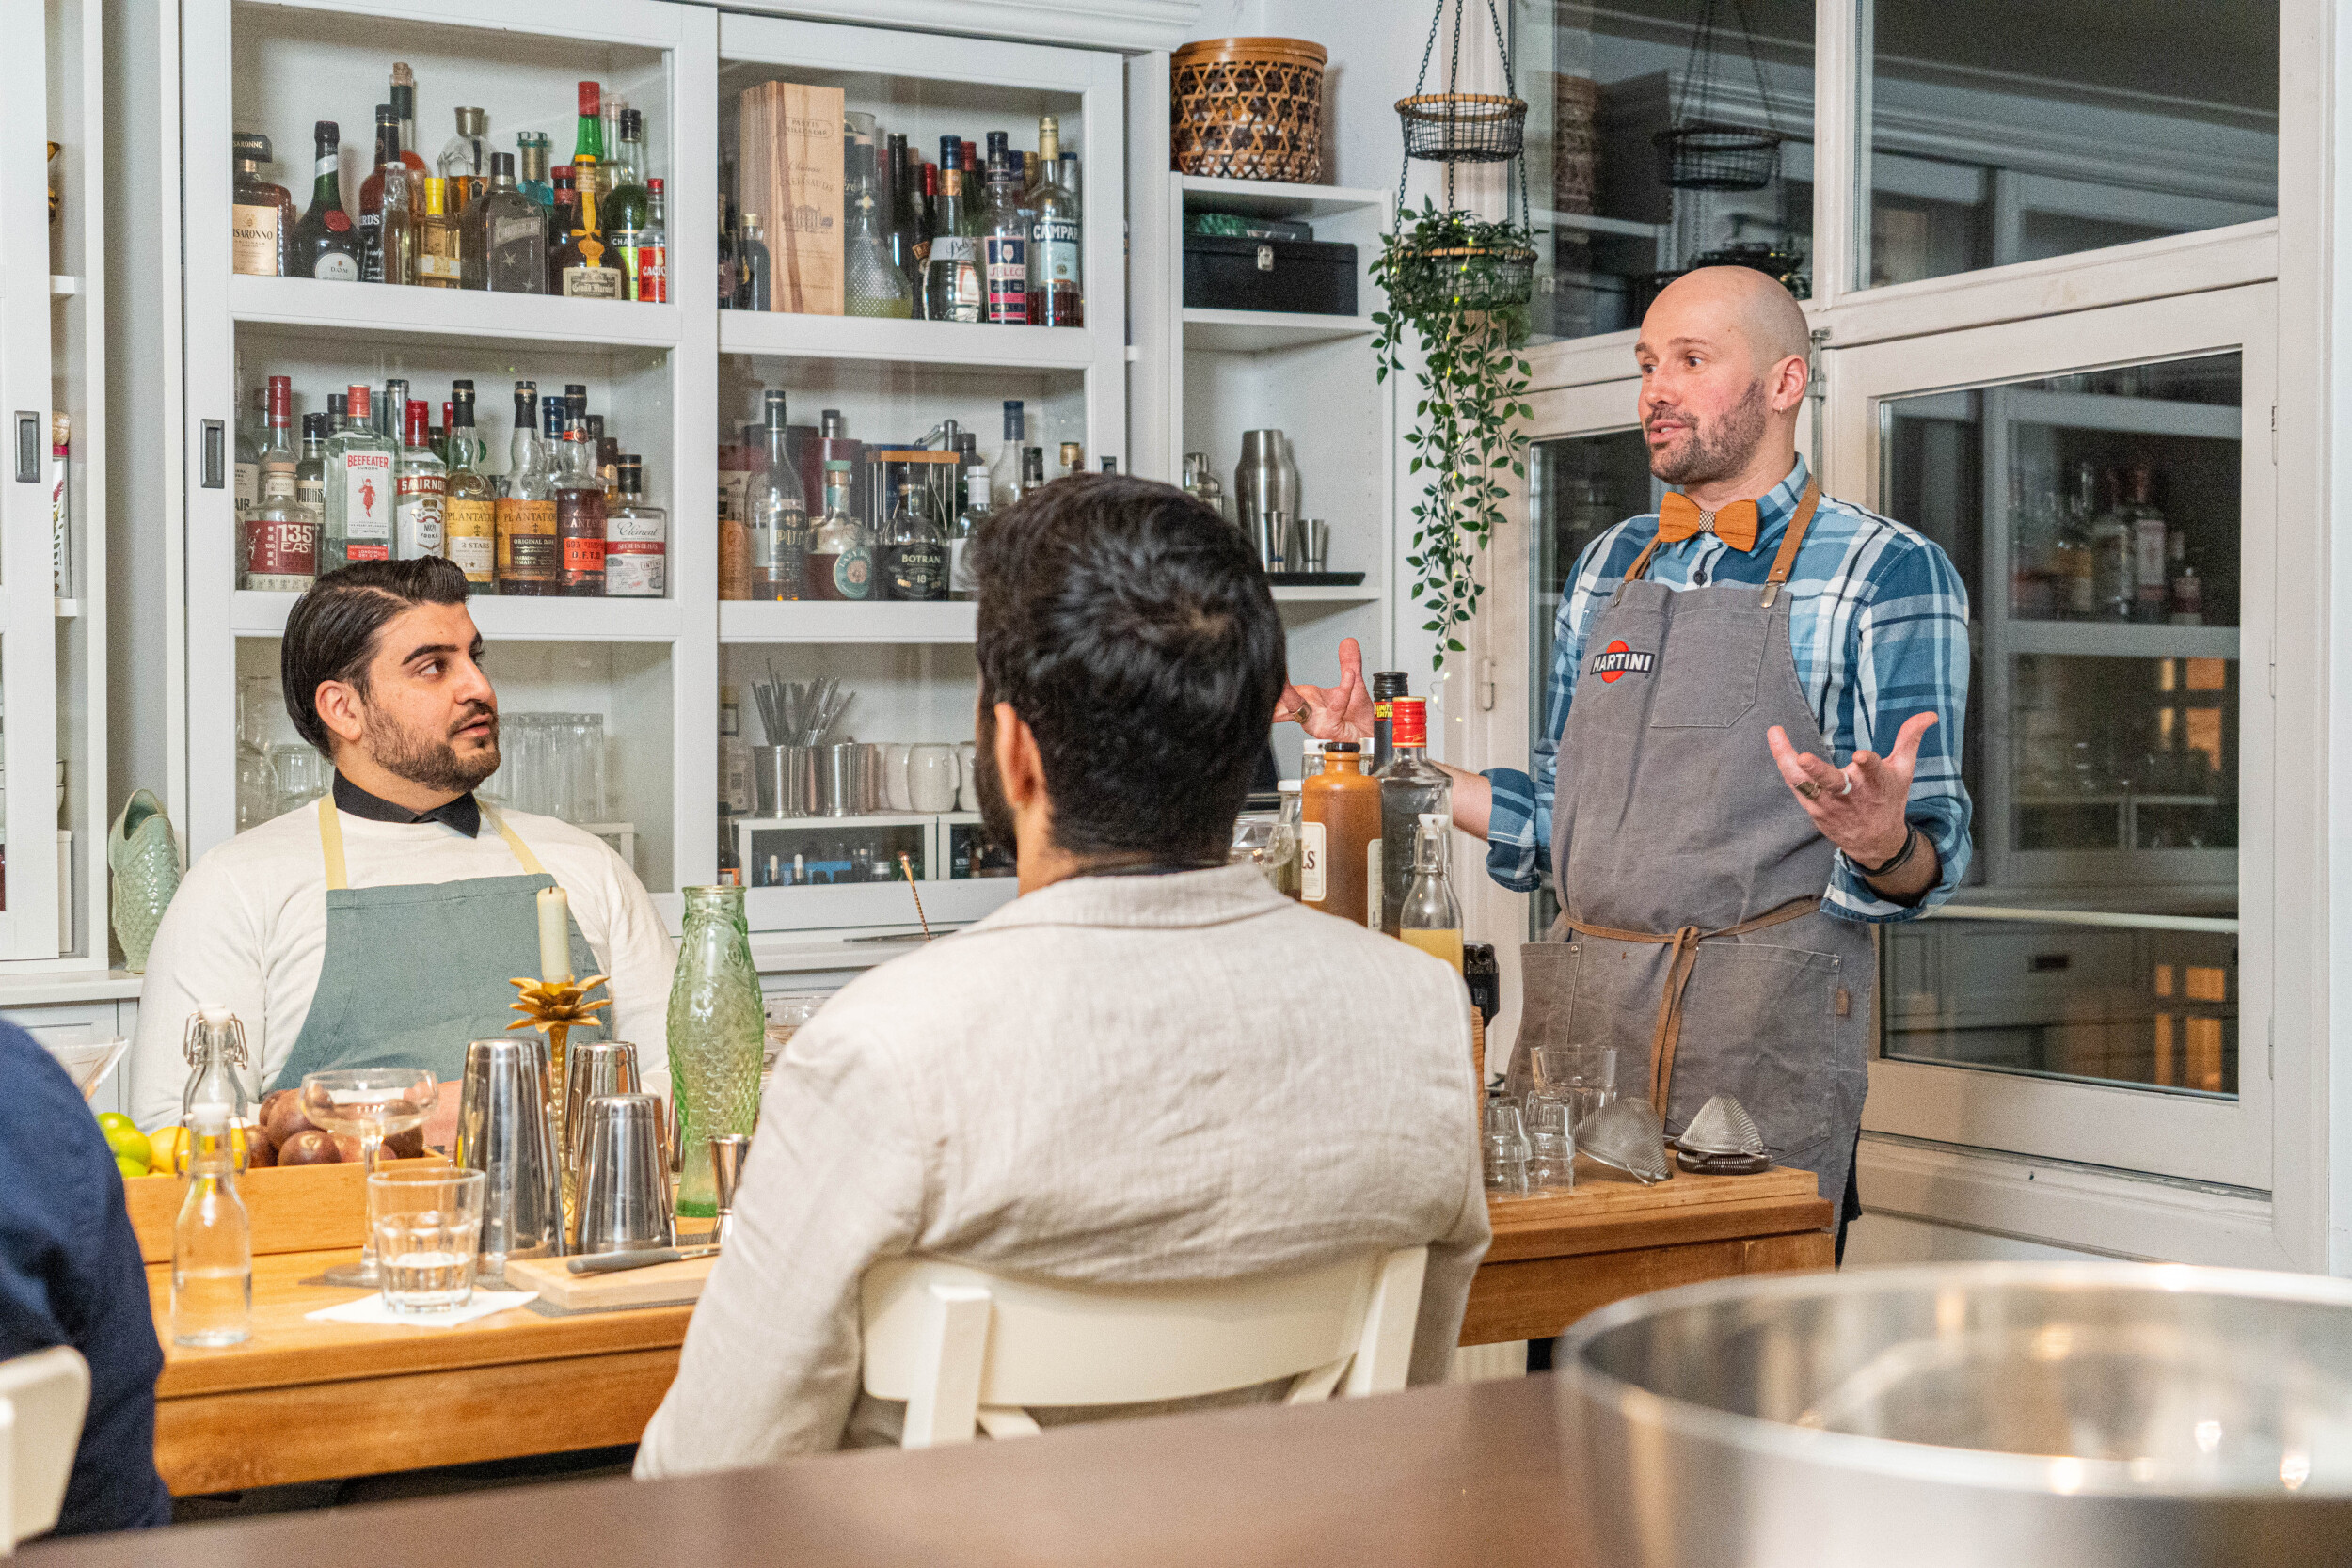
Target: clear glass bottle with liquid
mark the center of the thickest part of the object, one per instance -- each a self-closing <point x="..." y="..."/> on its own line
<point x="840" y="551"/>
<point x="955" y="285"/>
<point x="359" y="487"/>
<point x="1004" y="474"/>
<point x="465" y="161"/>
<point x="779" y="531"/>
<point x="913" y="550"/>
<point x="977" y="504"/>
<point x="423" y="478"/>
<point x="212" y="1043"/>
<point x="470" y="508"/>
<point x="1430" y="917"/>
<point x="212" y="1241"/>
<point x="1005" y="237"/>
<point x="872" y="283"/>
<point x="636" y="539"/>
<point x="1411" y="789"/>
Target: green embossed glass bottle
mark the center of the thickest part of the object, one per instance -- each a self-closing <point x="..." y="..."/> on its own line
<point x="716" y="1032"/>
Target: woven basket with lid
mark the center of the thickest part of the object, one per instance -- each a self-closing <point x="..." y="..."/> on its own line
<point x="1248" y="109"/>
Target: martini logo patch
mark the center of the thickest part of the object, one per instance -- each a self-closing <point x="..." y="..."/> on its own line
<point x="1617" y="659"/>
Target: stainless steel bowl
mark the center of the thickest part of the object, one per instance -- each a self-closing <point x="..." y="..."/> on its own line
<point x="1971" y="1414"/>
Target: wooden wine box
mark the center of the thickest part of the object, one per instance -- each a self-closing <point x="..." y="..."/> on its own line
<point x="789" y="170"/>
<point x="292" y="1208"/>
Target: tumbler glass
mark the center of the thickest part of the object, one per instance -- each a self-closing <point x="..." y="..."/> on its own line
<point x="425" y="1224"/>
<point x="1582" y="1077"/>
<point x="1550" y="1146"/>
<point x="1506" y="1148"/>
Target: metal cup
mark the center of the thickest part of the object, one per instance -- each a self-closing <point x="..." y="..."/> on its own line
<point x="503" y="1131"/>
<point x="1274" y="532"/>
<point x="592" y="1069"/>
<point x="624" y="1200"/>
<point x="1311" y="545"/>
<point x="771" y="783"/>
<point x="727" y="1153"/>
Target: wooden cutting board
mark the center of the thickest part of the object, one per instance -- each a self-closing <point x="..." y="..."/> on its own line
<point x="662" y="1285"/>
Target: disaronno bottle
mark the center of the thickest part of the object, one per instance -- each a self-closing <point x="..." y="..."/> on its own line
<point x="1340" y="835"/>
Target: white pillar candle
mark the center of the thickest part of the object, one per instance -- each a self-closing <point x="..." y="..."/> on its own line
<point x="555" y="934"/>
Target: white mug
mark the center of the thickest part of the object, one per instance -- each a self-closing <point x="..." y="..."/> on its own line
<point x="894" y="773"/>
<point x="968" y="788"/>
<point x="932" y="776"/>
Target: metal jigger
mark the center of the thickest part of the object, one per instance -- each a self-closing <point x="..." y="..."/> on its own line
<point x="504" y="1131"/>
<point x="727" y="1153"/>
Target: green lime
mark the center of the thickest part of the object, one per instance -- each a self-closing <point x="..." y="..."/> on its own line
<point x="124" y="1138"/>
<point x="129" y="1167"/>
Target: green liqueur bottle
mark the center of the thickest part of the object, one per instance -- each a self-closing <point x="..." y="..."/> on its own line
<point x="717" y="1031"/>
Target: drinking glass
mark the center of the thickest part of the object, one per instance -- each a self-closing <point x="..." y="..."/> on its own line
<point x="1267" y="842"/>
<point x="1550" y="1146"/>
<point x="424" y="1226"/>
<point x="1582" y="1077"/>
<point x="370" y="1104"/>
<point x="299" y="775"/>
<point x="1506" y="1147"/>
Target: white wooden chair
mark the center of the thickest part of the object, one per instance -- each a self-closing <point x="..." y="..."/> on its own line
<point x="43" y="1399"/>
<point x="966" y="1348"/>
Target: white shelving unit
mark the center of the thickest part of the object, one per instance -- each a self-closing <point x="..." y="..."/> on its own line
<point x="674" y="380"/>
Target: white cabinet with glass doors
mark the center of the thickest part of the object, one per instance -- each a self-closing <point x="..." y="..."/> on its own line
<point x="53" y="669"/>
<point x="632" y="685"/>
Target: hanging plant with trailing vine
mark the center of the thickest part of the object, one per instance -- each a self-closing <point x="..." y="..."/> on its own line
<point x="1461" y="284"/>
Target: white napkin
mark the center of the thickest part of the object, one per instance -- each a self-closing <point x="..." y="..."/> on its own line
<point x="371" y="1309"/>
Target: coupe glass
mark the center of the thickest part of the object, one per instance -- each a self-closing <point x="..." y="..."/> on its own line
<point x="369" y="1104"/>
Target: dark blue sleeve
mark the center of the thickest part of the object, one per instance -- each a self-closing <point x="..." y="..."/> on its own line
<point x="69" y="1275"/>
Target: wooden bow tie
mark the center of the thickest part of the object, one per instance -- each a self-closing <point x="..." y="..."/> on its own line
<point x="1679" y="518"/>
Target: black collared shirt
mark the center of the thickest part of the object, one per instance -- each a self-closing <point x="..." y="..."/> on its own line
<point x="463" y="814"/>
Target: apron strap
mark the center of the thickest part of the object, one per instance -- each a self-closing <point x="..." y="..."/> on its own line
<point x="338" y="873"/>
<point x="1786" y="560"/>
<point x="1667" y="1035"/>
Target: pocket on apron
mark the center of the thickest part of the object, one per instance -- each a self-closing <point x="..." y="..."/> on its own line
<point x="1760" y="1023"/>
<point x="1711" y="694"/>
<point x="1548" y="1011"/>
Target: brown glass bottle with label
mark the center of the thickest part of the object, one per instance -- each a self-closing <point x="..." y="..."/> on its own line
<point x="1339" y="830"/>
<point x="263" y="226"/>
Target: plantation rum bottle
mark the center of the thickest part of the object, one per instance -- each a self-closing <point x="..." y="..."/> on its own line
<point x="469" y="510"/>
<point x="529" y="557"/>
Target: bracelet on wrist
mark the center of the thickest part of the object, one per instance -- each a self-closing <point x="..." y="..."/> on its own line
<point x="1911" y="844"/>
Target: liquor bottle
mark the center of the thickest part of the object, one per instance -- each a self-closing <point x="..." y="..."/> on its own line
<point x="2114" y="584"/>
<point x="779" y="514"/>
<point x="1339" y="836"/>
<point x="261" y="222"/>
<point x="653" y="250"/>
<point x="580" y="510"/>
<point x="1387" y="687"/>
<point x="914" y="550"/>
<point x="503" y="247"/>
<point x="2151" y="563"/>
<point x="873" y="283"/>
<point x="751" y="266"/>
<point x="735" y="511"/>
<point x="326" y="246"/>
<point x="466" y="159"/>
<point x="440" y="237"/>
<point x="608" y="461"/>
<point x="359" y="493"/>
<point x="529" y="556"/>
<point x="1004" y="475"/>
<point x="588" y="176"/>
<point x="954" y="283"/>
<point x="585" y="268"/>
<point x="974" y="512"/>
<point x="629" y="205"/>
<point x="387" y="209"/>
<point x="391" y="408"/>
<point x="469" y="510"/>
<point x="245" y="477"/>
<point x="1073" y="460"/>
<point x="530" y="166"/>
<point x="310" y="472"/>
<point x="1411" y="788"/>
<point x="1005" y="239"/>
<point x="523" y="445"/>
<point x="1430" y="917"/>
<point x="636" y="539"/>
<point x="1057" y="297"/>
<point x="730" y="277"/>
<point x="403" y="97"/>
<point x="212" y="1241"/>
<point x="280" y="545"/>
<point x="840" y="551"/>
<point x="423" y="489"/>
<point x="1032" y="470"/>
<point x="904" y="232"/>
<point x="834" y="443"/>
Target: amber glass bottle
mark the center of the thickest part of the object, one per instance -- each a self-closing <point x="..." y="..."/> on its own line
<point x="1340" y="812"/>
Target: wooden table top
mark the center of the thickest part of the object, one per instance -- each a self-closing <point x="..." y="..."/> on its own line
<point x="1467" y="1474"/>
<point x="287" y="1349"/>
<point x="1610" y="1211"/>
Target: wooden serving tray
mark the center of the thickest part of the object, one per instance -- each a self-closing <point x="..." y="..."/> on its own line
<point x="660" y="1285"/>
<point x="293" y="1208"/>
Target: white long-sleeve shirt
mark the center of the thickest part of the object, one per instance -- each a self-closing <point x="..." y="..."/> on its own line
<point x="1113" y="1080"/>
<point x="247" y="929"/>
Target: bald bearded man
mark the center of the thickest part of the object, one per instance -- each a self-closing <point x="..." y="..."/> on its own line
<point x="1749" y="754"/>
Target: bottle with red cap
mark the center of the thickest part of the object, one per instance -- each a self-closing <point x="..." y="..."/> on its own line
<point x="358" y="525"/>
<point x="422" y="489"/>
<point x="1411" y="788"/>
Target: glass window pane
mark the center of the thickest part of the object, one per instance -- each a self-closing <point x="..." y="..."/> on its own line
<point x="2103" y="751"/>
<point x="1579" y="487"/>
<point x="1613" y="221"/>
<point x="2014" y="130"/>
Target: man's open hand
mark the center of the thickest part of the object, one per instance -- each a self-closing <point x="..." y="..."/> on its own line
<point x="1341" y="712"/>
<point x="1858" y="807"/>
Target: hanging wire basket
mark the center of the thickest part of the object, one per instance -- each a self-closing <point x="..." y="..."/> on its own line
<point x="1462" y="278"/>
<point x="1463" y="127"/>
<point x="1712" y="156"/>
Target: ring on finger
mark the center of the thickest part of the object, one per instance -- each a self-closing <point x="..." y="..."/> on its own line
<point x="1808" y="789"/>
<point x="1298" y="715"/>
<point x="1849" y="789"/>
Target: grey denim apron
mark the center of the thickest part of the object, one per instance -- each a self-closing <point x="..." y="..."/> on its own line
<point x="1690" y="878"/>
<point x="413" y="973"/>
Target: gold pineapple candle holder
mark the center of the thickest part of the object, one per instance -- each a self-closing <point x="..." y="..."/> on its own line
<point x="556" y="1008"/>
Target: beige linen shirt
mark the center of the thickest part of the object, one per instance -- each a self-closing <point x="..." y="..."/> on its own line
<point x="1124" y="1080"/>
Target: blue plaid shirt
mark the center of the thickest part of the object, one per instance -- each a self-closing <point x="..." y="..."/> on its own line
<point x="1878" y="623"/>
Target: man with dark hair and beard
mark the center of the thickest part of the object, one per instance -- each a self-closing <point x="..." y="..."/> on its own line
<point x="379" y="925"/>
<point x="1148" y="1069"/>
<point x="1750" y="755"/>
